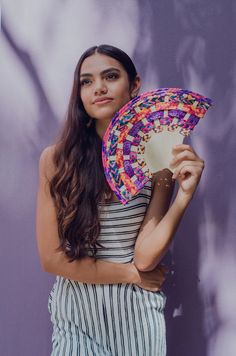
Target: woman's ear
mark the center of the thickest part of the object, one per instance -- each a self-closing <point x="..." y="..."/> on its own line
<point x="135" y="86"/>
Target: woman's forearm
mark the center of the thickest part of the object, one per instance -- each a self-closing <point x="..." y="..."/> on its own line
<point x="91" y="270"/>
<point x="154" y="246"/>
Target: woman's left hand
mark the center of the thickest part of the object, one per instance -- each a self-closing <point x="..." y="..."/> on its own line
<point x="188" y="168"/>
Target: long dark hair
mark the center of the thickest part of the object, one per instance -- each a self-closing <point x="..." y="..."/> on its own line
<point x="79" y="182"/>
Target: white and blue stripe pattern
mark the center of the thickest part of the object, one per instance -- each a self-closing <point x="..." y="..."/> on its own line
<point x="110" y="319"/>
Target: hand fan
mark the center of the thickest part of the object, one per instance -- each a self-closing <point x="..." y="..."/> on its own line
<point x="139" y="138"/>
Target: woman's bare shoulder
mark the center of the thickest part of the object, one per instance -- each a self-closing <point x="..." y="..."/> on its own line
<point x="48" y="152"/>
<point x="46" y="160"/>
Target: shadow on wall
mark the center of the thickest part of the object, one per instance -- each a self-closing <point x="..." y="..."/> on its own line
<point x="48" y="122"/>
<point x="184" y="308"/>
<point x="189" y="47"/>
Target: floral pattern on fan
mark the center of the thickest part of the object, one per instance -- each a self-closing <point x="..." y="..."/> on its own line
<point x="123" y="146"/>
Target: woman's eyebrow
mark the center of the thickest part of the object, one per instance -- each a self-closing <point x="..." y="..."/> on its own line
<point x="111" y="69"/>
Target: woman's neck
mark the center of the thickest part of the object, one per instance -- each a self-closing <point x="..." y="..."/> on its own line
<point x="101" y="126"/>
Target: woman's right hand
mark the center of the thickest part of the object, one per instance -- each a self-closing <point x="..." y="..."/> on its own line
<point x="151" y="280"/>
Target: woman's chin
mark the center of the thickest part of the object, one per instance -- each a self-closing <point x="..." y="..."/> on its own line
<point x="104" y="113"/>
<point x="105" y="116"/>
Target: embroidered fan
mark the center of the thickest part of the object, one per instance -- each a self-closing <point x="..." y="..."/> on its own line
<point x="132" y="148"/>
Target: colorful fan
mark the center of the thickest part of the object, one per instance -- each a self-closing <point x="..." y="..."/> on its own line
<point x="130" y="144"/>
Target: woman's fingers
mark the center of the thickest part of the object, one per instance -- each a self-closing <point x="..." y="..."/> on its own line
<point x="183" y="156"/>
<point x="182" y="147"/>
<point x="176" y="161"/>
<point x="153" y="280"/>
<point x="183" y="153"/>
<point x="188" y="167"/>
<point x="163" y="269"/>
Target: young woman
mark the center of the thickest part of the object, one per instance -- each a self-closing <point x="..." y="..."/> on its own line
<point x="107" y="298"/>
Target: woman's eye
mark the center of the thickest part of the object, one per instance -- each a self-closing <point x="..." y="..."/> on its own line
<point x="112" y="76"/>
<point x="84" y="82"/>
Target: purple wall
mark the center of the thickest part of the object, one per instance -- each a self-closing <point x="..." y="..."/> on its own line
<point x="180" y="43"/>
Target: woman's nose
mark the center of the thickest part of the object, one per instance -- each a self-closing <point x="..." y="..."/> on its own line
<point x="100" y="87"/>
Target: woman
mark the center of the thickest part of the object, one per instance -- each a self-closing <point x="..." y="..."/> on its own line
<point x="107" y="297"/>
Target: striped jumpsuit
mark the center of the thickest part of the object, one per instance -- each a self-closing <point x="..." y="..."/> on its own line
<point x="110" y="319"/>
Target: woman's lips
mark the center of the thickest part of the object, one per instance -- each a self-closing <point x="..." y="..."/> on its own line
<point x="101" y="102"/>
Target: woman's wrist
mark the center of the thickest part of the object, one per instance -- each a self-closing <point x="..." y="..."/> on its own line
<point x="183" y="199"/>
<point x="133" y="274"/>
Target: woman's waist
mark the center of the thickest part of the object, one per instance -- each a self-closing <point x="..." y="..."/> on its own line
<point x="117" y="255"/>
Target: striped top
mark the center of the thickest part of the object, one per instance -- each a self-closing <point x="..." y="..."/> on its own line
<point x="120" y="225"/>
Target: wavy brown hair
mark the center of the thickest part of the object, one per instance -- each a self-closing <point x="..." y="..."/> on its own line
<point x="79" y="182"/>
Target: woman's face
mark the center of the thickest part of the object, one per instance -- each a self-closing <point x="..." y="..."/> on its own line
<point x="104" y="86"/>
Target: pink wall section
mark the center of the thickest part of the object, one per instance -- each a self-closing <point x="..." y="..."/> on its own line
<point x="173" y="43"/>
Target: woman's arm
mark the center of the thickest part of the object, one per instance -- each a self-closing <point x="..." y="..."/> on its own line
<point x="87" y="269"/>
<point x="160" y="224"/>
